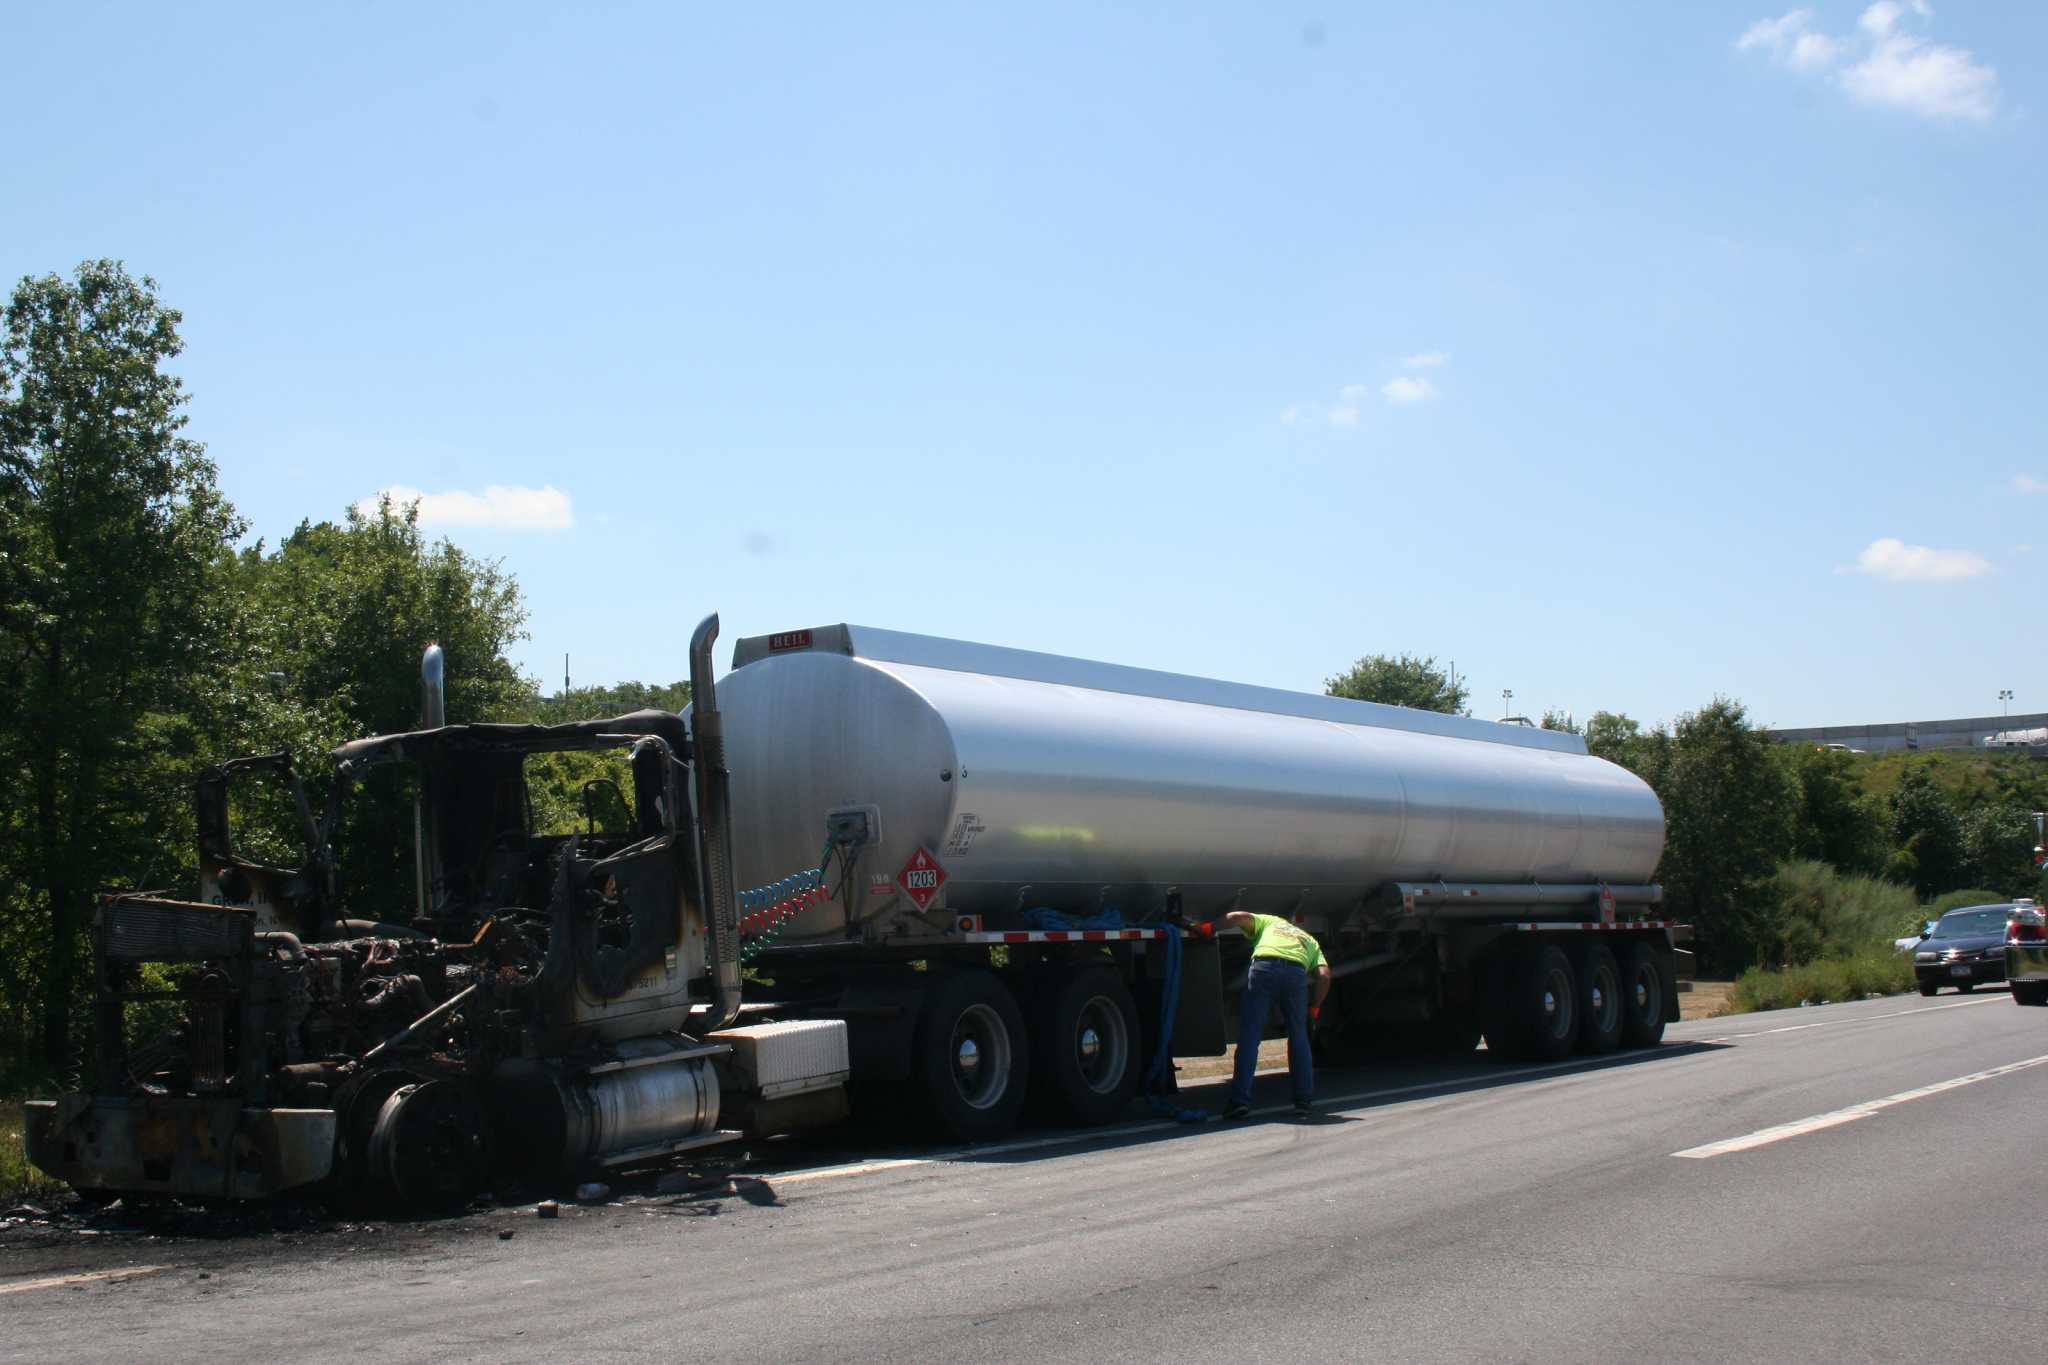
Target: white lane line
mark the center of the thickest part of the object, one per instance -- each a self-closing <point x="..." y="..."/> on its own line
<point x="1859" y="1019"/>
<point x="55" y="1281"/>
<point x="1763" y="1137"/>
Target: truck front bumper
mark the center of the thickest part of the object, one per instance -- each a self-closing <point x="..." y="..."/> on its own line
<point x="179" y="1145"/>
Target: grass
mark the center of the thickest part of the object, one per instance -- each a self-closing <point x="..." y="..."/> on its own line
<point x="1823" y="982"/>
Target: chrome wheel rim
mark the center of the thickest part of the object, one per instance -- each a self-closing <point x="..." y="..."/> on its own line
<point x="1102" y="1045"/>
<point x="981" y="1057"/>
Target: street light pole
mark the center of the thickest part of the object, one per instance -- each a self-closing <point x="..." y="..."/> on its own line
<point x="1507" y="694"/>
<point x="2005" y="699"/>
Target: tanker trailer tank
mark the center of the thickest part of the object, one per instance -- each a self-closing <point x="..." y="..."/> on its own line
<point x="1036" y="782"/>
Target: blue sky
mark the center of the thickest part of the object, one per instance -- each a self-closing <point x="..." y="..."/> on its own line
<point x="1623" y="354"/>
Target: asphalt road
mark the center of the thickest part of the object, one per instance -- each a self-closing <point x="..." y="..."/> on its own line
<point x="1839" y="1183"/>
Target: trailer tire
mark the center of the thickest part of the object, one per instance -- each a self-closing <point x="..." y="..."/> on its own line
<point x="1084" y="1047"/>
<point x="1642" y="997"/>
<point x="1600" y="1000"/>
<point x="1543" y="1007"/>
<point x="971" y="1059"/>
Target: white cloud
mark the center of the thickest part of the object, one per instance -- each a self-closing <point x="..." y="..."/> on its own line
<point x="1291" y="415"/>
<point x="1424" y="360"/>
<point x="1775" y="36"/>
<point x="1812" y="51"/>
<point x="501" y="507"/>
<point x="2027" y="483"/>
<point x="1882" y="63"/>
<point x="1909" y="73"/>
<point x="1893" y="559"/>
<point x="1344" y="417"/>
<point x="1408" y="389"/>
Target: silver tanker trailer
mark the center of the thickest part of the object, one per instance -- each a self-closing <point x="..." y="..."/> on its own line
<point x="994" y="846"/>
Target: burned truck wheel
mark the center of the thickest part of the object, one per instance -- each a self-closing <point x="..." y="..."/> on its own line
<point x="430" y="1146"/>
<point x="1642" y="997"/>
<point x="356" y="1106"/>
<point x="1539" y="1017"/>
<point x="1084" y="1039"/>
<point x="1600" y="1012"/>
<point x="970" y="1059"/>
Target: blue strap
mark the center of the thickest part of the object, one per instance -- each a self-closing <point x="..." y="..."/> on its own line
<point x="1160" y="1077"/>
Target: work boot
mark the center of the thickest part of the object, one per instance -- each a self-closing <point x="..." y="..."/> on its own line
<point x="1234" y="1110"/>
<point x="1302" y="1110"/>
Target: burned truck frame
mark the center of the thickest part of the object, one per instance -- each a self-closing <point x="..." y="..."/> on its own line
<point x="551" y="1003"/>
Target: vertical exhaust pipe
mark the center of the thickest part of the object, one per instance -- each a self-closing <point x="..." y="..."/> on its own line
<point x="433" y="696"/>
<point x="714" y="824"/>
<point x="433" y="715"/>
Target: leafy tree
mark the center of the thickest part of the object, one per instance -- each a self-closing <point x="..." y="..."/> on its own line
<point x="1998" y="849"/>
<point x="1560" y="720"/>
<point x="1401" y="680"/>
<point x="582" y="703"/>
<point x="1836" y="823"/>
<point x="112" y="532"/>
<point x="1729" y="810"/>
<point x="1926" y="836"/>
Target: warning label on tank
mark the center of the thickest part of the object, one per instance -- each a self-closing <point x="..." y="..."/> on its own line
<point x="962" y="837"/>
<point x="921" y="878"/>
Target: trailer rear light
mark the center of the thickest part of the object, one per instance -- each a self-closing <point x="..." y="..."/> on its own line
<point x="2025" y="931"/>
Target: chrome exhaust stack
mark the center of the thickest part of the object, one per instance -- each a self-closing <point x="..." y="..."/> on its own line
<point x="714" y="825"/>
<point x="433" y="715"/>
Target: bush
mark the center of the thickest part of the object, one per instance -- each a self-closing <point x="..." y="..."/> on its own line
<point x="1807" y="911"/>
<point x="1828" y="981"/>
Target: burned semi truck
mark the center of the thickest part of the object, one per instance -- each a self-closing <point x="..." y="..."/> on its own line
<point x="551" y="1004"/>
<point x="961" y="878"/>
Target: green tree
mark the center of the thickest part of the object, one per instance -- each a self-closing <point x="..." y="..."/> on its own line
<point x="582" y="703"/>
<point x="1729" y="811"/>
<point x="1926" y="836"/>
<point x="1836" y="823"/>
<point x="112" y="532"/>
<point x="1559" y="720"/>
<point x="1998" y="849"/>
<point x="1400" y="680"/>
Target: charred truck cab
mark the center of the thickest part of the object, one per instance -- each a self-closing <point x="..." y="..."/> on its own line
<point x="551" y="1004"/>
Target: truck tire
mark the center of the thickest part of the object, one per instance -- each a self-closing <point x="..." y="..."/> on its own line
<point x="1543" y="1005"/>
<point x="970" y="1060"/>
<point x="1600" y="998"/>
<point x="1642" y="997"/>
<point x="2030" y="992"/>
<point x="1084" y="1047"/>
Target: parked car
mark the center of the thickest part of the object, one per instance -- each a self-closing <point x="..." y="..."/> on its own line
<point x="1913" y="941"/>
<point x="1966" y="949"/>
<point x="2026" y="953"/>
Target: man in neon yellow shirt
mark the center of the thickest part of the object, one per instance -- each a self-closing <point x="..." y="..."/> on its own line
<point x="1283" y="957"/>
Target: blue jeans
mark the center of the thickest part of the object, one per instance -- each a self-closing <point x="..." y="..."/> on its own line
<point x="1271" y="979"/>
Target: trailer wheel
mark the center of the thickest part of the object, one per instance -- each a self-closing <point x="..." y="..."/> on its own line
<point x="970" y="1059"/>
<point x="1600" y="1011"/>
<point x="1642" y="997"/>
<point x="1084" y="1046"/>
<point x="1543" y="1005"/>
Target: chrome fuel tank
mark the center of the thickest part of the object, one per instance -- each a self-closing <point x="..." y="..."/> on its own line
<point x="1041" y="781"/>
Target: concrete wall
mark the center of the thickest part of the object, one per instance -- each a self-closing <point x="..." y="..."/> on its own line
<point x="1968" y="732"/>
